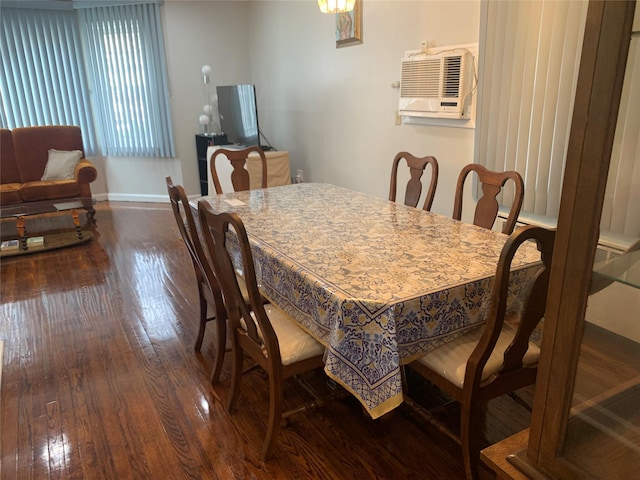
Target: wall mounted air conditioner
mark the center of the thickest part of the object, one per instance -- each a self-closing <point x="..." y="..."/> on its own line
<point x="437" y="85"/>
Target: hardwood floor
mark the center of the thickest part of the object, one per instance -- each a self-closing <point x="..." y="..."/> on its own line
<point x="100" y="379"/>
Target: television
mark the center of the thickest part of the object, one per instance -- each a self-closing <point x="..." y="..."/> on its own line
<point x="239" y="114"/>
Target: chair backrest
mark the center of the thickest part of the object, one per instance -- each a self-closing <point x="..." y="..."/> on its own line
<point x="189" y="233"/>
<point x="512" y="374"/>
<point x="413" y="191"/>
<point x="261" y="341"/>
<point x="487" y="206"/>
<point x="240" y="178"/>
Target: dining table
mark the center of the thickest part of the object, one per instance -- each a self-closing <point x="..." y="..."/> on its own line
<point x="378" y="283"/>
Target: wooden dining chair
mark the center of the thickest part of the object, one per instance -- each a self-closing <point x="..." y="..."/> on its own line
<point x="265" y="334"/>
<point x="209" y="293"/>
<point x="487" y="207"/>
<point x="240" y="178"/>
<point x="493" y="359"/>
<point x="413" y="191"/>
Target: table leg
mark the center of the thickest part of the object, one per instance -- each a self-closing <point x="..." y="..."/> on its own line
<point x="76" y="222"/>
<point x="22" y="232"/>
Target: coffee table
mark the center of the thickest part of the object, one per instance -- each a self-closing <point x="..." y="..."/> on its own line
<point x="69" y="206"/>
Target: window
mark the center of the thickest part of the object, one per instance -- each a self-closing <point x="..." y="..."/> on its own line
<point x="45" y="75"/>
<point x="42" y="79"/>
<point x="126" y="65"/>
<point x="530" y="59"/>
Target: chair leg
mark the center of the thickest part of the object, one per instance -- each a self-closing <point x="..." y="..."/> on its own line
<point x="470" y="441"/>
<point x="221" y="347"/>
<point x="236" y="374"/>
<point x="91" y="213"/>
<point x="275" y="414"/>
<point x="203" y="320"/>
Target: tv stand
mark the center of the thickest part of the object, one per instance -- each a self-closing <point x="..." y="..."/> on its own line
<point x="203" y="141"/>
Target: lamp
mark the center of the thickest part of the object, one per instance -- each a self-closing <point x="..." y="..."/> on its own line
<point x="204" y="121"/>
<point x="336" y="6"/>
<point x="210" y="107"/>
<point x="206" y="71"/>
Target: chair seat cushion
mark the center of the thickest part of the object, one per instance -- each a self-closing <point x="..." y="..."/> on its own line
<point x="450" y="359"/>
<point x="49" y="190"/>
<point x="295" y="344"/>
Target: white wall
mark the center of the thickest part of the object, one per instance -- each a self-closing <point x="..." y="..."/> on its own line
<point x="332" y="109"/>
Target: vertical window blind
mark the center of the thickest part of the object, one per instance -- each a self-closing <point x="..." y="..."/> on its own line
<point x="620" y="214"/>
<point x="530" y="61"/>
<point x="127" y="68"/>
<point x="42" y="80"/>
<point x="51" y="57"/>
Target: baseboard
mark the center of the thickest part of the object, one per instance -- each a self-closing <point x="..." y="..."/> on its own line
<point x="129" y="197"/>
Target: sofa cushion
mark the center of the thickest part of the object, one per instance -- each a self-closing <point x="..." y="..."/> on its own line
<point x="32" y="144"/>
<point x="10" y="193"/>
<point x="61" y="165"/>
<point x="49" y="189"/>
<point x="8" y="167"/>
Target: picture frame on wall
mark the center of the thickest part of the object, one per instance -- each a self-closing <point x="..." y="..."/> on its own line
<point x="349" y="26"/>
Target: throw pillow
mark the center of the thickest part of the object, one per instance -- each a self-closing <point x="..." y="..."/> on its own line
<point x="61" y="164"/>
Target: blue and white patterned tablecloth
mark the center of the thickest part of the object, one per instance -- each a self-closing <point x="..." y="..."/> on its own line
<point x="377" y="282"/>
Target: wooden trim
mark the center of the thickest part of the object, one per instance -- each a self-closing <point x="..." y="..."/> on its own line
<point x="602" y="67"/>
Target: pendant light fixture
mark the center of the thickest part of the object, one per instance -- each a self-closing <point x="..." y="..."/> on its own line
<point x="336" y="6"/>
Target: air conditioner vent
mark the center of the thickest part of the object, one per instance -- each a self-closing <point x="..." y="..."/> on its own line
<point x="452" y="75"/>
<point x="420" y="78"/>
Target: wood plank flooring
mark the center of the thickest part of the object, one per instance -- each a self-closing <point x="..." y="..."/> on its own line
<point x="100" y="380"/>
